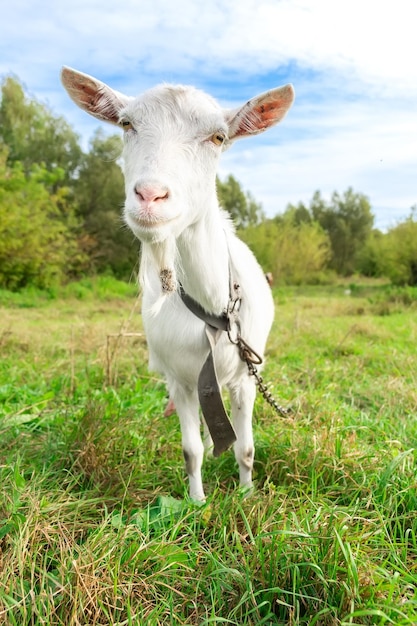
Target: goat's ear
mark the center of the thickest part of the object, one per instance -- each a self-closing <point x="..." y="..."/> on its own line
<point x="93" y="96"/>
<point x="260" y="113"/>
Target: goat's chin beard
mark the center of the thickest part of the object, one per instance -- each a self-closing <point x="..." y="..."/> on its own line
<point x="161" y="256"/>
<point x="168" y="280"/>
<point x="163" y="253"/>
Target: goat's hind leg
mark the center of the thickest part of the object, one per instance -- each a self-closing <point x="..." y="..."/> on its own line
<point x="242" y="400"/>
<point x="187" y="407"/>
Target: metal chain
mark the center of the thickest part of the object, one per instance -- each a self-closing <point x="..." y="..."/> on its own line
<point x="263" y="389"/>
<point x="229" y="322"/>
<point x="248" y="355"/>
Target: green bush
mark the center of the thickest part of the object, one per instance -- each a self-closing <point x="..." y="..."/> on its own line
<point x="37" y="244"/>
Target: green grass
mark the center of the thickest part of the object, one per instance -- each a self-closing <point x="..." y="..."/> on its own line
<point x="95" y="524"/>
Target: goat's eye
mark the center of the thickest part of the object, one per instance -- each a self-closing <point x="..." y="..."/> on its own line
<point x="126" y="125"/>
<point x="218" y="138"/>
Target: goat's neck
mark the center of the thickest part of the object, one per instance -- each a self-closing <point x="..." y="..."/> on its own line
<point x="203" y="263"/>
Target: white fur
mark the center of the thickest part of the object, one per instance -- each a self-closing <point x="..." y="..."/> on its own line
<point x="170" y="158"/>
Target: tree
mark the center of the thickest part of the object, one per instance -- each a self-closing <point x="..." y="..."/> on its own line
<point x="33" y="135"/>
<point x="369" y="258"/>
<point x="99" y="195"/>
<point x="393" y="254"/>
<point x="294" y="253"/>
<point x="348" y="220"/>
<point x="37" y="246"/>
<point x="297" y="214"/>
<point x="241" y="206"/>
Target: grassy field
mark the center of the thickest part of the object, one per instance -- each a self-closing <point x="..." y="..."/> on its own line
<point x="95" y="526"/>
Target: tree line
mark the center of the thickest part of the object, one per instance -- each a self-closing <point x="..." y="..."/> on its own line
<point x="60" y="213"/>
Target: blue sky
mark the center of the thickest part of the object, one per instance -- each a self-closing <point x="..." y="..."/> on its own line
<point x="353" y="65"/>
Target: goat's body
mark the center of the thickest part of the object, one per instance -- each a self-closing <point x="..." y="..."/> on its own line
<point x="178" y="345"/>
<point x="173" y="332"/>
<point x="174" y="137"/>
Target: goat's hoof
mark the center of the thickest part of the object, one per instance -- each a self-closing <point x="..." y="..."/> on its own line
<point x="246" y="491"/>
<point x="198" y="501"/>
<point x="197" y="497"/>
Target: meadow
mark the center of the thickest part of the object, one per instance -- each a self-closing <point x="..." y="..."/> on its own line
<point x="95" y="524"/>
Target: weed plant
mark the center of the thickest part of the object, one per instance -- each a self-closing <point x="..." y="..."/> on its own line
<point x="95" y="524"/>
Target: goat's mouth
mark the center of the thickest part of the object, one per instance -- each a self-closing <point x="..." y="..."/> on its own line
<point x="150" y="222"/>
<point x="150" y="229"/>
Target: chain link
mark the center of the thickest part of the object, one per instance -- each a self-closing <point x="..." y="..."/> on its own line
<point x="263" y="389"/>
<point x="229" y="322"/>
<point x="251" y="358"/>
<point x="246" y="353"/>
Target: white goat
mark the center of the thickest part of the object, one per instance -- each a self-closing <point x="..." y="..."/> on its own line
<point x="173" y="138"/>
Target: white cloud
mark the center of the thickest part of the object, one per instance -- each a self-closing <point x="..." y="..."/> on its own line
<point x="375" y="40"/>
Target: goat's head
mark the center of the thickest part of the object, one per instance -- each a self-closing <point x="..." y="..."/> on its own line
<point x="174" y="136"/>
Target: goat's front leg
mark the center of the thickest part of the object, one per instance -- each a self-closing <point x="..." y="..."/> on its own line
<point x="187" y="407"/>
<point x="207" y="440"/>
<point x="242" y="400"/>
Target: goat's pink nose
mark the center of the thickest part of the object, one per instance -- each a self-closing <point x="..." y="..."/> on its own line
<point x="151" y="193"/>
